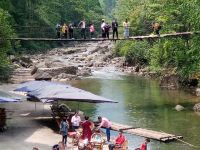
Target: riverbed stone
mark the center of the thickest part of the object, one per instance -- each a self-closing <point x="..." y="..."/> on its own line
<point x="179" y="108"/>
<point x="197" y="91"/>
<point x="24" y="61"/>
<point x="34" y="70"/>
<point x="54" y="63"/>
<point x="196" y="107"/>
<point x="170" y="81"/>
<point x="43" y="76"/>
<point x="58" y="70"/>
<point x="84" y="72"/>
<point x="66" y="76"/>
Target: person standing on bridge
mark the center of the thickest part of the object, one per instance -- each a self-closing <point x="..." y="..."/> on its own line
<point x="82" y="25"/>
<point x="58" y="30"/>
<point x="107" y="30"/>
<point x="115" y="28"/>
<point x="102" y="28"/>
<point x="104" y="122"/>
<point x="64" y="30"/>
<point x="156" y="28"/>
<point x="126" y="28"/>
<point x="92" y="30"/>
<point x="71" y="31"/>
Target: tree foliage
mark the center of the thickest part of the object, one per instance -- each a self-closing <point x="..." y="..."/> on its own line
<point x="38" y="18"/>
<point x="175" y="16"/>
<point x="5" y="32"/>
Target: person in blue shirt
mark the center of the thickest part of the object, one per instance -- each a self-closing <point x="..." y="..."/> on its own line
<point x="64" y="130"/>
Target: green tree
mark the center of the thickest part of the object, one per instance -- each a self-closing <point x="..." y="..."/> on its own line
<point x="5" y="32"/>
<point x="182" y="54"/>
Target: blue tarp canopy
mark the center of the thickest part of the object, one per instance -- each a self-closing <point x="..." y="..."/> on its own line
<point x="45" y="91"/>
<point x="36" y="86"/>
<point x="5" y="99"/>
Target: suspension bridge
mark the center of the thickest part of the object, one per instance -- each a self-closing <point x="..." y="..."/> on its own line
<point x="169" y="35"/>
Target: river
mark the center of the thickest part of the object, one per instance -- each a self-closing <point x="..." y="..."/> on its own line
<point x="142" y="103"/>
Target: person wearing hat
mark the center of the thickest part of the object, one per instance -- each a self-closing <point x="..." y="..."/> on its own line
<point x="119" y="140"/>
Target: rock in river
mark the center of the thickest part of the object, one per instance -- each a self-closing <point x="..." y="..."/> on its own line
<point x="179" y="108"/>
<point x="197" y="107"/>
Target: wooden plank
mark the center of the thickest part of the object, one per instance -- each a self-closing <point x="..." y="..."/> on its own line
<point x="160" y="136"/>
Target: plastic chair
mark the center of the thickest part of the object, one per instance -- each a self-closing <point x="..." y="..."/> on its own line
<point x="124" y="146"/>
<point x="97" y="141"/>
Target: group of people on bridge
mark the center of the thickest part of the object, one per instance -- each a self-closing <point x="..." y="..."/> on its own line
<point x="67" y="31"/>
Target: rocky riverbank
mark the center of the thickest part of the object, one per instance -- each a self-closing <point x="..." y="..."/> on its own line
<point x="80" y="60"/>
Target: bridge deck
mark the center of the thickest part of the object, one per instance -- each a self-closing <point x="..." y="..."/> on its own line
<point x="104" y="39"/>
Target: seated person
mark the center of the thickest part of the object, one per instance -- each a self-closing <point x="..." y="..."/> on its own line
<point x="120" y="139"/>
<point x="144" y="145"/>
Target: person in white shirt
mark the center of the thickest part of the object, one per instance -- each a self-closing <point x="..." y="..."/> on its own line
<point x="76" y="119"/>
<point x="103" y="24"/>
<point x="82" y="25"/>
<point x="126" y="28"/>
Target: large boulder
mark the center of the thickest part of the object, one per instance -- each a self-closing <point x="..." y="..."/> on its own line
<point x="54" y="63"/>
<point x="57" y="71"/>
<point x="197" y="107"/>
<point x="24" y="61"/>
<point x="34" y="70"/>
<point x="43" y="76"/>
<point x="84" y="72"/>
<point x="170" y="81"/>
<point x="64" y="76"/>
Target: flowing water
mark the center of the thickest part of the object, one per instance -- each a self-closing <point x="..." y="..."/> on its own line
<point x="142" y="103"/>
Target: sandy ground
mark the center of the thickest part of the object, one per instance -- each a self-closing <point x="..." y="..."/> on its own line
<point x="29" y="125"/>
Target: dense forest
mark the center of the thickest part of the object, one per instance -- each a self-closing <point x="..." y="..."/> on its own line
<point x="37" y="18"/>
<point x="179" y="55"/>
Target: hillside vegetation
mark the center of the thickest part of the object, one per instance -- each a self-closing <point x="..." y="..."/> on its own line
<point x="38" y="18"/>
<point x="181" y="54"/>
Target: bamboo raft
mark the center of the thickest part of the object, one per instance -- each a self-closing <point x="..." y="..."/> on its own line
<point x="160" y="136"/>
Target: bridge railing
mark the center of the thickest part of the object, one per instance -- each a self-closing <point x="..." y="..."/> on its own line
<point x="48" y="32"/>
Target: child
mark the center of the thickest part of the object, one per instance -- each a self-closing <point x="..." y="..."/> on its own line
<point x="64" y="130"/>
<point x="144" y="145"/>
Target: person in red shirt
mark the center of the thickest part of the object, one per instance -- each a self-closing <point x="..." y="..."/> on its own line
<point x="144" y="145"/>
<point x="118" y="141"/>
<point x="87" y="131"/>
